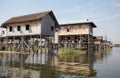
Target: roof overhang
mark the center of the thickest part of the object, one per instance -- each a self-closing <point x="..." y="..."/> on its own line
<point x="79" y="23"/>
<point x="29" y="18"/>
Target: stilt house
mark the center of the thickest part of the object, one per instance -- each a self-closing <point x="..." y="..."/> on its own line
<point x="32" y="26"/>
<point x="76" y="35"/>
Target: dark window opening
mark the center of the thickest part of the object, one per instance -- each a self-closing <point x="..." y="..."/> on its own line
<point x="52" y="28"/>
<point x="10" y="29"/>
<point x="27" y="27"/>
<point x="18" y="28"/>
<point x="68" y="28"/>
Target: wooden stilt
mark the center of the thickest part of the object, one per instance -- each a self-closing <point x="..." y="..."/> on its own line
<point x="46" y="51"/>
<point x="13" y="55"/>
<point x="6" y="46"/>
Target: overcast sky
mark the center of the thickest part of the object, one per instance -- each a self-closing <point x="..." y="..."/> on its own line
<point x="104" y="13"/>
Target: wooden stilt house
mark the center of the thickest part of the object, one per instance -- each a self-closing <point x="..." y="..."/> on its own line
<point x="76" y="35"/>
<point x="29" y="30"/>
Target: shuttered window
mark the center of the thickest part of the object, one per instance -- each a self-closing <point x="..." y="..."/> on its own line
<point x="76" y="27"/>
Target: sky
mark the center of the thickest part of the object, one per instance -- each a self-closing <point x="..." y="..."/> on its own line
<point x="104" y="13"/>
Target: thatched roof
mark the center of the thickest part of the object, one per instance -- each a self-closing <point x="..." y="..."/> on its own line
<point x="30" y="17"/>
<point x="79" y="23"/>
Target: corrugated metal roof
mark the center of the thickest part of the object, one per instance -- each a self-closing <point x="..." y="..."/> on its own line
<point x="29" y="17"/>
<point x="79" y="23"/>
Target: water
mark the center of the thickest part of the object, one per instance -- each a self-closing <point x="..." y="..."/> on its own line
<point x="100" y="64"/>
<point x="109" y="66"/>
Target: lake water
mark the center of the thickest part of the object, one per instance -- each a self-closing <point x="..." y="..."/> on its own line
<point x="102" y="64"/>
<point x="109" y="66"/>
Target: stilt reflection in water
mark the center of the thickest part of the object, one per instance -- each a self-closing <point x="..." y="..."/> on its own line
<point x="33" y="65"/>
<point x="47" y="65"/>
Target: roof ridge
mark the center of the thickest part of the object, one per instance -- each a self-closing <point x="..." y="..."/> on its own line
<point x="32" y="14"/>
<point x="29" y="17"/>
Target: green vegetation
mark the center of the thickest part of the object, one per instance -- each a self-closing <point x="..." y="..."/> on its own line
<point x="69" y="54"/>
<point x="107" y="49"/>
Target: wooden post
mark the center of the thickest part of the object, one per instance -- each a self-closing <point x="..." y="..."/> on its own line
<point x="21" y="57"/>
<point x="13" y="55"/>
<point x="40" y="49"/>
<point x="29" y="56"/>
<point x="88" y="50"/>
<point x="6" y="46"/>
<point x="45" y="50"/>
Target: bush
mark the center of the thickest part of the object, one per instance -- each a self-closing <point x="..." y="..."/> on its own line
<point x="69" y="54"/>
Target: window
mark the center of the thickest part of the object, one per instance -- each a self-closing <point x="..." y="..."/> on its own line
<point x="83" y="27"/>
<point x="27" y="27"/>
<point x="68" y="28"/>
<point x="91" y="30"/>
<point x="75" y="27"/>
<point x="18" y="28"/>
<point x="52" y="28"/>
<point x="10" y="29"/>
<point x="62" y="28"/>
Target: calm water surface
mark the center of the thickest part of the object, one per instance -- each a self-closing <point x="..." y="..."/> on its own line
<point x="109" y="66"/>
<point x="104" y="64"/>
